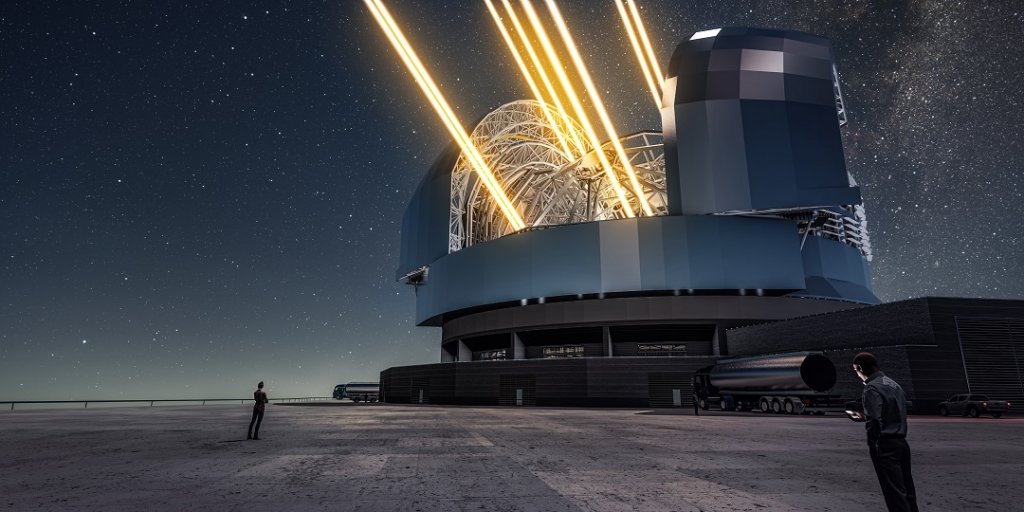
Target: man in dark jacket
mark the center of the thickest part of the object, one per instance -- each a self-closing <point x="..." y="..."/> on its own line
<point x="885" y="417"/>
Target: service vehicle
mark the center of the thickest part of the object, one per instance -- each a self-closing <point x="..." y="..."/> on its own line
<point x="358" y="391"/>
<point x="973" y="405"/>
<point x="793" y="383"/>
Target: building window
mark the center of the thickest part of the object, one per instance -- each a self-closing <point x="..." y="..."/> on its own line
<point x="561" y="351"/>
<point x="492" y="355"/>
<point x="661" y="349"/>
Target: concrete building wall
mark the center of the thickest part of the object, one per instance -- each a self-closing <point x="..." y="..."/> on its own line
<point x="599" y="382"/>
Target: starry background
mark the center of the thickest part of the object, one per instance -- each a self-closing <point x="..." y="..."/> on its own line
<point x="197" y="196"/>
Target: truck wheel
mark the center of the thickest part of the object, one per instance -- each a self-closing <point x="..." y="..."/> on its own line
<point x="973" y="412"/>
<point x="703" y="404"/>
<point x="944" y="411"/>
<point x="765" y="405"/>
<point x="997" y="415"/>
<point x="788" y="406"/>
<point x="776" y="406"/>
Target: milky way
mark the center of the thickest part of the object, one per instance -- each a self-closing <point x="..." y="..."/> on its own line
<point x="194" y="198"/>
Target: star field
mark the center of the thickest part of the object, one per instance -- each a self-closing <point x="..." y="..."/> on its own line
<point x="195" y="197"/>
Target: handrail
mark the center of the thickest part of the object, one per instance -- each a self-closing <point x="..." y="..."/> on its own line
<point x="153" y="401"/>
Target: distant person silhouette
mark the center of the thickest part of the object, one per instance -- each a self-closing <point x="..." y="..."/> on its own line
<point x="260" y="397"/>
<point x="697" y="393"/>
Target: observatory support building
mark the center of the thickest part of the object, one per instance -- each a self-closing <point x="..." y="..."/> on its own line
<point x="756" y="220"/>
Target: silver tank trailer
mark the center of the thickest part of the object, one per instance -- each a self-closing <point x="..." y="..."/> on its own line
<point x="798" y="373"/>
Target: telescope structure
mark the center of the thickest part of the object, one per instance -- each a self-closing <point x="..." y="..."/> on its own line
<point x="753" y="219"/>
<point x="747" y="182"/>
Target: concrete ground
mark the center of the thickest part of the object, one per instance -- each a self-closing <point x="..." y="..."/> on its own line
<point x="428" y="458"/>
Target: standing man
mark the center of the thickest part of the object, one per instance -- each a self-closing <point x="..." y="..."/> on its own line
<point x="885" y="417"/>
<point x="260" y="397"/>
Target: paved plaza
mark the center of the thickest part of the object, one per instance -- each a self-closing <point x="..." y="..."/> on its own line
<point x="427" y="458"/>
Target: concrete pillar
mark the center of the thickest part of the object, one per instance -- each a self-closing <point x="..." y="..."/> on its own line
<point x="716" y="345"/>
<point x="446" y="357"/>
<point x="518" y="349"/>
<point x="465" y="354"/>
<point x="606" y="336"/>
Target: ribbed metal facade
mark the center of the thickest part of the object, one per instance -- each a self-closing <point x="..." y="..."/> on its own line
<point x="993" y="352"/>
<point x="935" y="347"/>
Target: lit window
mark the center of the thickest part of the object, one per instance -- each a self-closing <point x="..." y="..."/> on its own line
<point x="562" y="351"/>
<point x="661" y="349"/>
<point x="492" y="355"/>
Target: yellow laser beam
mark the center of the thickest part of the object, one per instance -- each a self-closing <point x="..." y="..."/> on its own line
<point x="538" y="64"/>
<point x="640" y="57"/>
<point x="595" y="98"/>
<point x="448" y="117"/>
<point x="430" y="89"/>
<point x="426" y="83"/>
<point x="581" y="114"/>
<point x="655" y="67"/>
<point x="525" y="70"/>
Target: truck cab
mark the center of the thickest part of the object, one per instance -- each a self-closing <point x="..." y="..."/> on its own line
<point x="973" y="405"/>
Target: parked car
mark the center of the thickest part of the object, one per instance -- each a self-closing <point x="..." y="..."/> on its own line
<point x="973" y="406"/>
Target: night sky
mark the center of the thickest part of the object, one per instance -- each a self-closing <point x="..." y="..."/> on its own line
<point x="195" y="197"/>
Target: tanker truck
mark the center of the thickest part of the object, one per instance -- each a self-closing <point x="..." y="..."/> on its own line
<point x="794" y="383"/>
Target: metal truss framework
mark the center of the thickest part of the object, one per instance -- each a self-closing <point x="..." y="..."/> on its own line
<point x="847" y="225"/>
<point x="547" y="186"/>
<point x="840" y="107"/>
<point x="550" y="188"/>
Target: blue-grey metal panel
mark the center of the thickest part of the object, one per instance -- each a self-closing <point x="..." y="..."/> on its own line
<point x="688" y="151"/>
<point x="771" y="176"/>
<point x="652" y="260"/>
<point x="676" y="252"/>
<point x="756" y="85"/>
<point x="835" y="270"/>
<point x="556" y="272"/>
<point x="797" y="64"/>
<point x="425" y="222"/>
<point x="817" y="146"/>
<point x="627" y="255"/>
<point x="728" y="160"/>
<point x="620" y="256"/>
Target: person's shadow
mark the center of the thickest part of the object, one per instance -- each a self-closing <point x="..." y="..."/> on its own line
<point x="232" y="441"/>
